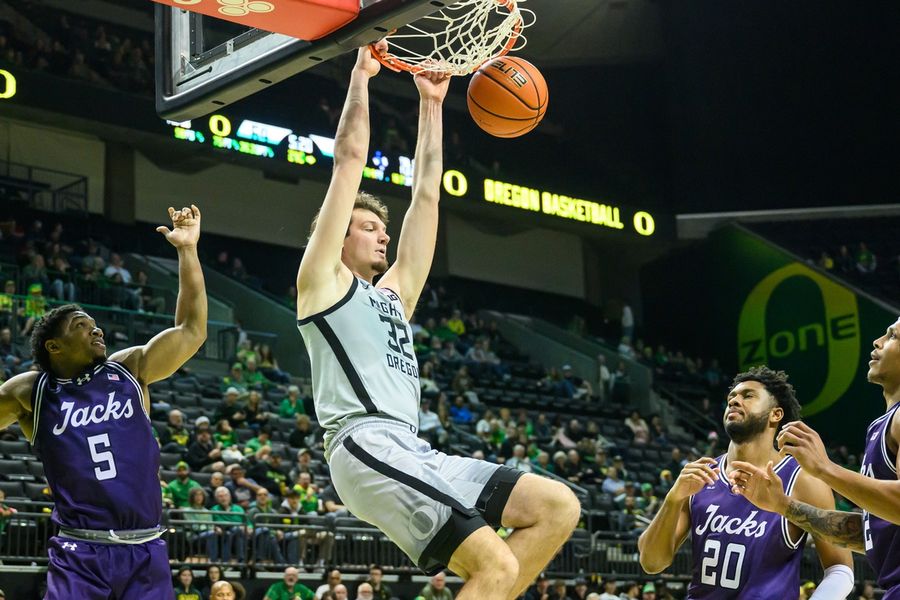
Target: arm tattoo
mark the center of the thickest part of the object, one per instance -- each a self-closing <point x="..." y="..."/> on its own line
<point x="844" y="529"/>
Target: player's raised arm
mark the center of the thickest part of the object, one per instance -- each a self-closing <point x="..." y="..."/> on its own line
<point x="878" y="496"/>
<point x="419" y="234"/>
<point x="671" y="525"/>
<point x="15" y="401"/>
<point x="322" y="258"/>
<point x="170" y="349"/>
<point x="764" y="489"/>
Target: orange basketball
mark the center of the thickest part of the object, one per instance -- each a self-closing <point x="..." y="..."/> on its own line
<point x="507" y="96"/>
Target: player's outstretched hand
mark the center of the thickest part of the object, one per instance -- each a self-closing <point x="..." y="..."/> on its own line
<point x="432" y="85"/>
<point x="365" y="58"/>
<point x="693" y="478"/>
<point x="802" y="442"/>
<point x="760" y="487"/>
<point x="185" y="227"/>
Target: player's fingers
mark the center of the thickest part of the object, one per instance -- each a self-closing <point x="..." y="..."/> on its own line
<point x="195" y="211"/>
<point x="163" y="230"/>
<point x="770" y="470"/>
<point x="697" y="472"/>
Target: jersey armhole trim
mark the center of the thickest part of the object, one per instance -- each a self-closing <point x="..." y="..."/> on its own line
<point x="37" y="394"/>
<point x="117" y="366"/>
<point x="353" y="285"/>
<point x="885" y="452"/>
<point x="785" y="527"/>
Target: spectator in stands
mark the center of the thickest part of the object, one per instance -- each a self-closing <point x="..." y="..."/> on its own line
<point x="121" y="278"/>
<point x="214" y="574"/>
<point x="559" y="591"/>
<point x="666" y="480"/>
<point x="8" y="303"/>
<point x="263" y="438"/>
<point x="649" y="591"/>
<point x="639" y="429"/>
<point x="175" y="437"/>
<point x="460" y="412"/>
<point x="268" y="469"/>
<point x="180" y="487"/>
<point x="625" y="350"/>
<point x="226" y="436"/>
<point x="225" y="590"/>
<point x="204" y="454"/>
<point x="254" y="377"/>
<point x="62" y="287"/>
<point x="612" y="484"/>
<point x="866" y="262"/>
<point x="230" y="410"/>
<point x="292" y="405"/>
<point x="340" y="592"/>
<point x="595" y="473"/>
<point x="437" y="589"/>
<point x="268" y="364"/>
<point x="201" y="534"/>
<point x="289" y="588"/>
<point x="150" y="301"/>
<point x="184" y="588"/>
<point x="620" y="383"/>
<point x="235" y="379"/>
<point x="543" y="432"/>
<point x="36" y="271"/>
<point x="333" y="579"/>
<point x="265" y="539"/>
<point x="243" y="489"/>
<point x="866" y="591"/>
<point x="230" y="520"/>
<point x="455" y="323"/>
<point x="10" y="357"/>
<point x="825" y="261"/>
<point x="364" y="591"/>
<point x="845" y="261"/>
<point x="303" y="464"/>
<point x="309" y="498"/>
<point x="449" y="355"/>
<point x="648" y="501"/>
<point x="558" y="467"/>
<point x="380" y="590"/>
<point x="246" y="352"/>
<point x="573" y="467"/>
<point x="430" y="427"/>
<point x="426" y="378"/>
<point x="519" y="460"/>
<point x="658" y="431"/>
<point x="609" y="590"/>
<point x="676" y="460"/>
<point x="255" y="410"/>
<point x="35" y="307"/>
<point x="238" y="270"/>
<point x="568" y="437"/>
<point x="540" y="590"/>
<point x="303" y="434"/>
<point x="603" y="377"/>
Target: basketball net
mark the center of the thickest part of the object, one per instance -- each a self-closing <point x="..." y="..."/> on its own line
<point x="458" y="39"/>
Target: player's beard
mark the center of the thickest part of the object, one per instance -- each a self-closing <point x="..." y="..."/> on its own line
<point x="380" y="267"/>
<point x="749" y="428"/>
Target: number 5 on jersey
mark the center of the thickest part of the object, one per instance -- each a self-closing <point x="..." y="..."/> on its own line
<point x="96" y="444"/>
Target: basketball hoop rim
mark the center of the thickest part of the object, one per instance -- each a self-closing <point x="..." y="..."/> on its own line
<point x="397" y="65"/>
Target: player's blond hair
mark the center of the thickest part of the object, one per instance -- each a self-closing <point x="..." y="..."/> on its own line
<point x="363" y="200"/>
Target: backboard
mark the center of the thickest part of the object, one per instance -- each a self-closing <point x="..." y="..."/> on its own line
<point x="204" y="63"/>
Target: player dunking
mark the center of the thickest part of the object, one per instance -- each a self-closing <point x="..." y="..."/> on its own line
<point x="876" y="489"/>
<point x="738" y="550"/>
<point x="87" y="417"/>
<point x="440" y="510"/>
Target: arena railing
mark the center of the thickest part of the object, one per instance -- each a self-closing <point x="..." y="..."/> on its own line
<point x="122" y="326"/>
<point x="45" y="189"/>
<point x="356" y="545"/>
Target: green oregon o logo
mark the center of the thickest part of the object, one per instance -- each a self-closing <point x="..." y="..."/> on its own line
<point x="841" y="330"/>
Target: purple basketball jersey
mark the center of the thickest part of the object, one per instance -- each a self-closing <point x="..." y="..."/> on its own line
<point x="882" y="537"/>
<point x="99" y="454"/>
<point x="740" y="551"/>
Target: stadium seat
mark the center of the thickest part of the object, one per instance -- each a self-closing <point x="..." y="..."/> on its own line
<point x="17" y="450"/>
<point x="201" y="477"/>
<point x="35" y="491"/>
<point x="36" y="468"/>
<point x="12" y="489"/>
<point x="167" y="475"/>
<point x="169" y="459"/>
<point x="15" y="470"/>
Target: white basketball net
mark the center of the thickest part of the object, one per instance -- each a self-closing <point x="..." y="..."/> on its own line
<point x="460" y="38"/>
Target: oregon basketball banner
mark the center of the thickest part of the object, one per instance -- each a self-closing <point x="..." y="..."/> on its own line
<point x="302" y="19"/>
<point x="754" y="304"/>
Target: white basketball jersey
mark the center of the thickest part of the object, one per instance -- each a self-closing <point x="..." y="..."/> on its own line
<point x="361" y="353"/>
